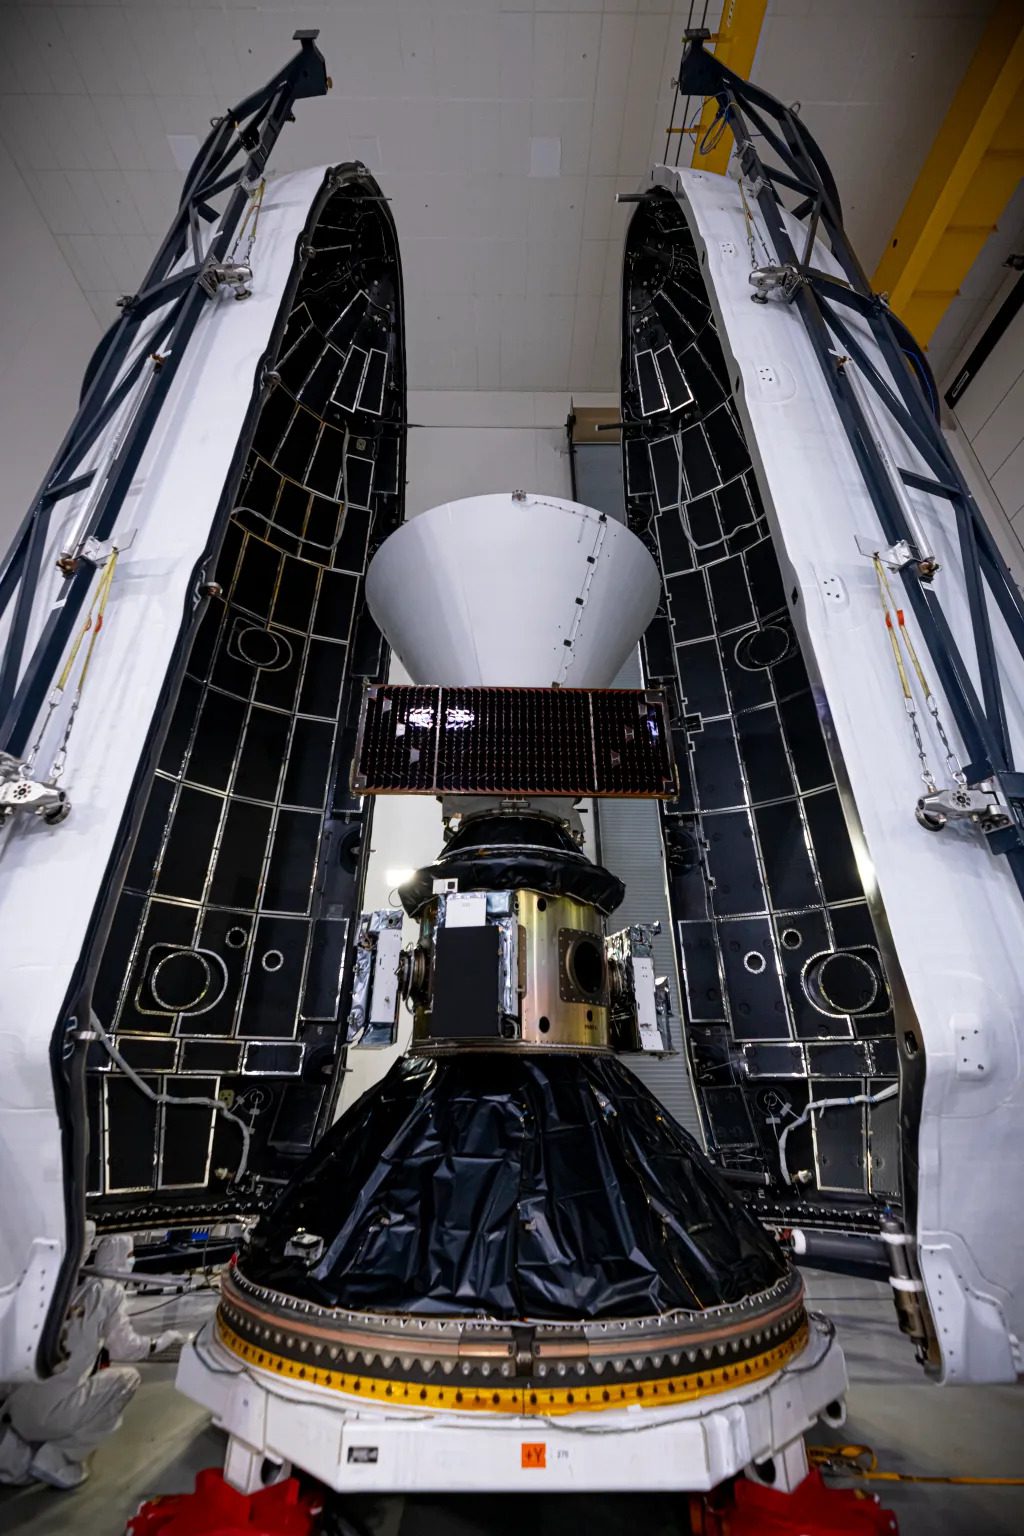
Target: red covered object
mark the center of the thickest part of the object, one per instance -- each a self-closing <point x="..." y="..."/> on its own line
<point x="217" y="1509"/>
<point x="812" y="1509"/>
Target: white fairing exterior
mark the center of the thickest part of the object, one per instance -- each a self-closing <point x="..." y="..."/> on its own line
<point x="50" y="877"/>
<point x="956" y="917"/>
<point x="514" y="589"/>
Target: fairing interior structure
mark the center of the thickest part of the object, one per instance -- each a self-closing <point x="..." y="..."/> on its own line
<point x="850" y="961"/>
<point x="205" y="884"/>
<point x="225" y="962"/>
<point x="785" y="989"/>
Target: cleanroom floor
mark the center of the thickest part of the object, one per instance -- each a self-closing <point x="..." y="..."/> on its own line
<point x="912" y="1425"/>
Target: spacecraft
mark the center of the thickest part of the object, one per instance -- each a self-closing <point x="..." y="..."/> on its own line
<point x="509" y="1221"/>
<point x="508" y="1227"/>
<point x="507" y="1262"/>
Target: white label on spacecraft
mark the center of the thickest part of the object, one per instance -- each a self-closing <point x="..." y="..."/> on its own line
<point x="466" y="910"/>
<point x="384" y="996"/>
<point x="646" y="1006"/>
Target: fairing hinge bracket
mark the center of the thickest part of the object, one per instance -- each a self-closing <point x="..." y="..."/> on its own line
<point x="896" y="557"/>
<point x="901" y="556"/>
<point x="95" y="552"/>
<point x="233" y="277"/>
<point x="20" y="792"/>
<point x="775" y="283"/>
<point x="992" y="805"/>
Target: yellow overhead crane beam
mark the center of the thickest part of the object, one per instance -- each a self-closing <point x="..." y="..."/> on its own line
<point x="972" y="171"/>
<point x="735" y="45"/>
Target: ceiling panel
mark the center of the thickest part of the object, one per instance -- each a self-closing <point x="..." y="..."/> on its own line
<point x="512" y="277"/>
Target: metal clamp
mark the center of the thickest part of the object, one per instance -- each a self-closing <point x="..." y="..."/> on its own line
<point x="896" y="557"/>
<point x="775" y="283"/>
<point x="94" y="552"/>
<point x="235" y="276"/>
<point x="98" y="551"/>
<point x="981" y="803"/>
<point x="899" y="556"/>
<point x="19" y="792"/>
<point x="307" y="1246"/>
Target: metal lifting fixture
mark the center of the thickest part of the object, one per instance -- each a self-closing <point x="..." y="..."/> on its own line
<point x="127" y="382"/>
<point x="992" y="792"/>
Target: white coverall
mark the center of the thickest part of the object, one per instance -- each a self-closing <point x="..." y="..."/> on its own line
<point x="48" y="1428"/>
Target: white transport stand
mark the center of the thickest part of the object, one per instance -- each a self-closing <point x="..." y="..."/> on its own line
<point x="692" y="1447"/>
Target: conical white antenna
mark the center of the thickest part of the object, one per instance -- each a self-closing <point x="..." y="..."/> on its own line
<point x="515" y="590"/>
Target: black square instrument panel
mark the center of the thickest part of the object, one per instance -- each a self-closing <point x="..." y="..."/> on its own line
<point x="467" y="984"/>
<point x="516" y="741"/>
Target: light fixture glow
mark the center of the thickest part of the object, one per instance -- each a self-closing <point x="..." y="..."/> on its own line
<point x="396" y="877"/>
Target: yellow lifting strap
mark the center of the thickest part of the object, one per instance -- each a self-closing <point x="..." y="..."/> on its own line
<point x="91" y="627"/>
<point x="894" y="623"/>
<point x="896" y="626"/>
<point x="253" y="212"/>
<point x="861" y="1461"/>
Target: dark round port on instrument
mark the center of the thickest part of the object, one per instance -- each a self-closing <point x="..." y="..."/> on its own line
<point x="841" y="982"/>
<point x="586" y="966"/>
<point x="792" y="938"/>
<point x="543" y="1024"/>
<point x="542" y="905"/>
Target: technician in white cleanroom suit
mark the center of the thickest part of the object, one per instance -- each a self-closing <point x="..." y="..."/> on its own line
<point x="48" y="1428"/>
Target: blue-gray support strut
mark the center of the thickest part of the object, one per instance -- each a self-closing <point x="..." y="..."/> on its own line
<point x="760" y="124"/>
<point x="177" y="295"/>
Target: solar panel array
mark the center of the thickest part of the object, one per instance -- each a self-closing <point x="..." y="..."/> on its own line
<point x="516" y="741"/>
